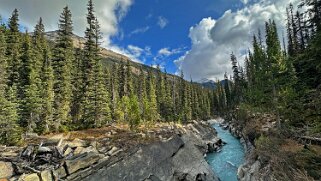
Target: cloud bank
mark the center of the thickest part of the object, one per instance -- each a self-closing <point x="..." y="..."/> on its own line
<point x="214" y="40"/>
<point x="109" y="14"/>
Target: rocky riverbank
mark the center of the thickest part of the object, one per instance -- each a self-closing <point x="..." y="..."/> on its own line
<point x="169" y="152"/>
<point x="255" y="167"/>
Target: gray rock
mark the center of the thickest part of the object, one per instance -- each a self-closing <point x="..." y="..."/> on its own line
<point x="43" y="149"/>
<point x="30" y="177"/>
<point x="112" y="150"/>
<point x="59" y="173"/>
<point x="77" y="143"/>
<point x="172" y="159"/>
<point x="6" y="169"/>
<point x="46" y="175"/>
<point x="82" y="161"/>
<point x="67" y="151"/>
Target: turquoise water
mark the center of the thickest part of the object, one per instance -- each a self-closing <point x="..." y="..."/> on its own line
<point x="226" y="162"/>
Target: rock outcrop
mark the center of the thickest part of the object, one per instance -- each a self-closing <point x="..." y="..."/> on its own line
<point x="179" y="157"/>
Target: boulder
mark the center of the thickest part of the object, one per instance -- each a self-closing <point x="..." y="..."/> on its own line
<point x="59" y="173"/>
<point x="82" y="161"/>
<point x="78" y="150"/>
<point x="112" y="151"/>
<point x="27" y="151"/>
<point x="6" y="169"/>
<point x="77" y="143"/>
<point x="67" y="151"/>
<point x="46" y="175"/>
<point x="43" y="149"/>
<point x="30" y="177"/>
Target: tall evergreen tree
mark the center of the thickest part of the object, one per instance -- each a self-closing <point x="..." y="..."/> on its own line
<point x="13" y="50"/>
<point x="62" y="65"/>
<point x="9" y="129"/>
<point x="152" y="110"/>
<point x="95" y="104"/>
<point x="31" y="104"/>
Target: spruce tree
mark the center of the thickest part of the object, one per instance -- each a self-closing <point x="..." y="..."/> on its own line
<point x="9" y="129"/>
<point x="227" y="91"/>
<point x="133" y="112"/>
<point x="63" y="56"/>
<point x="122" y="80"/>
<point x="43" y="67"/>
<point x="13" y="50"/>
<point x="95" y="105"/>
<point x="31" y="103"/>
<point x="152" y="110"/>
<point x="114" y="89"/>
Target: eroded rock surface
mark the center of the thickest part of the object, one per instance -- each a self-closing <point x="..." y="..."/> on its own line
<point x="171" y="154"/>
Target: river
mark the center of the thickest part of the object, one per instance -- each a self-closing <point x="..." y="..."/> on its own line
<point x="226" y="162"/>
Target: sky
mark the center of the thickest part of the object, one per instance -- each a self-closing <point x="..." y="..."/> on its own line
<point x="195" y="36"/>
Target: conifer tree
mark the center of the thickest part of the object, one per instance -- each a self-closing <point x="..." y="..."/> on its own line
<point x="133" y="112"/>
<point x="152" y="110"/>
<point x="43" y="67"/>
<point x="114" y="89"/>
<point x="142" y="96"/>
<point x="9" y="129"/>
<point x="63" y="57"/>
<point x="31" y="104"/>
<point x="168" y="101"/>
<point x="187" y="110"/>
<point x="227" y="91"/>
<point x="122" y="80"/>
<point x="13" y="50"/>
<point x="95" y="105"/>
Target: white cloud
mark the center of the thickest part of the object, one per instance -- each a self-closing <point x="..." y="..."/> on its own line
<point x="168" y="52"/>
<point x="109" y="14"/>
<point x="139" y="30"/>
<point x="162" y="22"/>
<point x="164" y="51"/>
<point x="135" y="53"/>
<point x="244" y="1"/>
<point x="214" y="40"/>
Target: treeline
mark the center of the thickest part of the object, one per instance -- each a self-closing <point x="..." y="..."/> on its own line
<point x="282" y="77"/>
<point x="53" y="86"/>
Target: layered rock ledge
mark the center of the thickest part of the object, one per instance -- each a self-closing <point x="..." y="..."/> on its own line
<point x="170" y="153"/>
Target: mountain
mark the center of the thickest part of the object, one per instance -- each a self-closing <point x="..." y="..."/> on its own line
<point x="210" y="83"/>
<point x="109" y="57"/>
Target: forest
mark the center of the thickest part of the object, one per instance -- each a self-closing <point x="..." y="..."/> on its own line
<point x="280" y="81"/>
<point x="281" y="77"/>
<point x="53" y="86"/>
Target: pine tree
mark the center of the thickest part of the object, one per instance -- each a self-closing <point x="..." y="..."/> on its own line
<point x="62" y="66"/>
<point x="31" y="104"/>
<point x="13" y="50"/>
<point x="9" y="129"/>
<point x="77" y="88"/>
<point x="43" y="67"/>
<point x="133" y="112"/>
<point x="129" y="80"/>
<point x="227" y="92"/>
<point x="10" y="132"/>
<point x="122" y="80"/>
<point x="152" y="111"/>
<point x="168" y="101"/>
<point x="114" y="89"/>
<point x="95" y="105"/>
<point x="187" y="107"/>
<point x="142" y="96"/>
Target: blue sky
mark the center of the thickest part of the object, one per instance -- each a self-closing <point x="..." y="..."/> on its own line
<point x="141" y="26"/>
<point x="196" y="36"/>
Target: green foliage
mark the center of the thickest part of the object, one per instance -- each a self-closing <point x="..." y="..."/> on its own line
<point x="10" y="132"/>
<point x="52" y="87"/>
<point x="63" y="69"/>
<point x="133" y="112"/>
